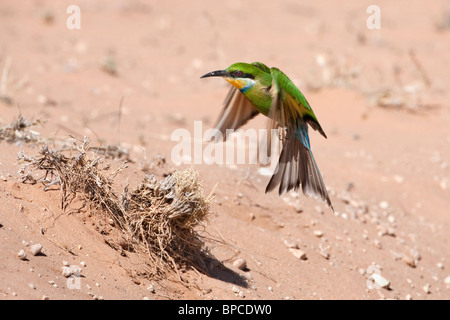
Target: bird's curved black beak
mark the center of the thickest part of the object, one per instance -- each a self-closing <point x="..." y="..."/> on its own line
<point x="218" y="73"/>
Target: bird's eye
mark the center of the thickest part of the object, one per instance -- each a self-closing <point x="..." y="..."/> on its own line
<point x="238" y="73"/>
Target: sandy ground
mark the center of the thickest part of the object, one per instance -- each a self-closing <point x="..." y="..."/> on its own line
<point x="380" y="95"/>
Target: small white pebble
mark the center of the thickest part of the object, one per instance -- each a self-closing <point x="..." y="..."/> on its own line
<point x="447" y="281"/>
<point x="36" y="249"/>
<point x="83" y="264"/>
<point x="290" y="244"/>
<point x="384" y="205"/>
<point x="299" y="254"/>
<point x="240" y="264"/>
<point x="22" y="255"/>
<point x="381" y="281"/>
<point x="318" y="233"/>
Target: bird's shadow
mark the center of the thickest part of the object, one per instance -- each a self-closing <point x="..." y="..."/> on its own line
<point x="217" y="270"/>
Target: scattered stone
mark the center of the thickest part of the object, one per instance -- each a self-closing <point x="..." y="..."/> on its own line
<point x="427" y="288"/>
<point x="299" y="254"/>
<point x="32" y="286"/>
<point x="83" y="264"/>
<point x="66" y="263"/>
<point x="240" y="264"/>
<point x="44" y="297"/>
<point x="318" y="209"/>
<point x="324" y="254"/>
<point x="298" y="208"/>
<point x="36" y="249"/>
<point x="68" y="271"/>
<point x="318" y="233"/>
<point x="241" y="294"/>
<point x="408" y="297"/>
<point x="377" y="244"/>
<point x="151" y="288"/>
<point x="235" y="289"/>
<point x="447" y="281"/>
<point x="22" y="255"/>
<point x="290" y="244"/>
<point x="440" y="265"/>
<point x="380" y="281"/>
<point x="386" y="231"/>
<point x="410" y="261"/>
<point x="384" y="205"/>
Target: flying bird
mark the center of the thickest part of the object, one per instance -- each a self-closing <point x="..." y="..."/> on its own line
<point x="257" y="89"/>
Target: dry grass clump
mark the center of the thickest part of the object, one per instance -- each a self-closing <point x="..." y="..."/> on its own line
<point x="159" y="219"/>
<point x="163" y="216"/>
<point x="19" y="130"/>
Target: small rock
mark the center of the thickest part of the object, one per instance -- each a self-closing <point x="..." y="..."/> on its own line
<point x="408" y="297"/>
<point x="324" y="254"/>
<point x="447" y="281"/>
<point x="65" y="263"/>
<point x="384" y="205"/>
<point x="36" y="249"/>
<point x="44" y="297"/>
<point x="83" y="264"/>
<point x="318" y="209"/>
<point x="151" y="288"/>
<point x="410" y="261"/>
<point x="66" y="272"/>
<point x="22" y="255"/>
<point x="318" y="233"/>
<point x="240" y="264"/>
<point x="380" y="281"/>
<point x="241" y="294"/>
<point x="32" y="286"/>
<point x="290" y="244"/>
<point x="299" y="254"/>
<point x="235" y="289"/>
<point x="440" y="265"/>
<point x="377" y="244"/>
<point x="427" y="288"/>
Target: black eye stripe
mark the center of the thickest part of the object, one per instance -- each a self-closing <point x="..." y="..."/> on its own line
<point x="240" y="74"/>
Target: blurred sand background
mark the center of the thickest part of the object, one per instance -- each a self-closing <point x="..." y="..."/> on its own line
<point x="381" y="96"/>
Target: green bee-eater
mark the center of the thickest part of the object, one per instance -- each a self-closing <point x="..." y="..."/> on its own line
<point x="256" y="89"/>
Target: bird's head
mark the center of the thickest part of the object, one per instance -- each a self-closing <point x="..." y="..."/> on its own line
<point x="241" y="75"/>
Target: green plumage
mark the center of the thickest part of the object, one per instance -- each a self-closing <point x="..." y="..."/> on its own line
<point x="260" y="89"/>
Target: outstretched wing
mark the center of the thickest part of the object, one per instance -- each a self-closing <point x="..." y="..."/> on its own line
<point x="296" y="165"/>
<point x="237" y="111"/>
